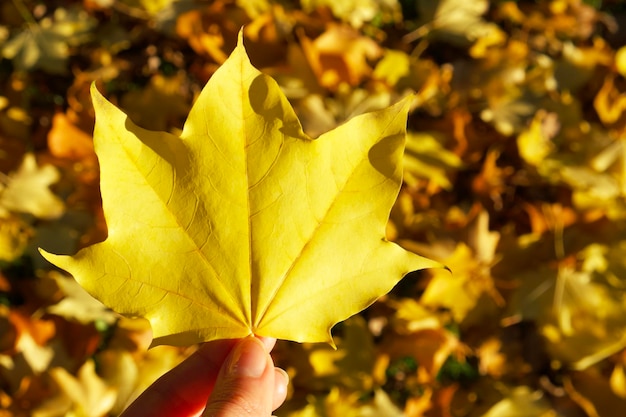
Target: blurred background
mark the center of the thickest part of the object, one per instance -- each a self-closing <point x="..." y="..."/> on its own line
<point x="515" y="177"/>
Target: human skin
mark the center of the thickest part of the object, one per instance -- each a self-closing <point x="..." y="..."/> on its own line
<point x="223" y="378"/>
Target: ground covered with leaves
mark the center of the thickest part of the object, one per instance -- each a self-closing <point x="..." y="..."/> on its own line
<point x="515" y="177"/>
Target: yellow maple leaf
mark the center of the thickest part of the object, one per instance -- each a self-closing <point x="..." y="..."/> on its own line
<point x="243" y="224"/>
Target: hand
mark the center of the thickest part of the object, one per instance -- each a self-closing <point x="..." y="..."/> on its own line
<point x="225" y="378"/>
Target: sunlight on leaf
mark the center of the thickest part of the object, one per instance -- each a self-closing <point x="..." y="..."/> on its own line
<point x="226" y="267"/>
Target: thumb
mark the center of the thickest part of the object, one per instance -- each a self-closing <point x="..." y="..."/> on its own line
<point x="245" y="384"/>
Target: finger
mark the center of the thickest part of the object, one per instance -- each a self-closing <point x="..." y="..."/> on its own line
<point x="281" y="382"/>
<point x="269" y="342"/>
<point x="245" y="386"/>
<point x="184" y="390"/>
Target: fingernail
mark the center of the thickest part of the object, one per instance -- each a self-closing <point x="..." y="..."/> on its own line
<point x="249" y="358"/>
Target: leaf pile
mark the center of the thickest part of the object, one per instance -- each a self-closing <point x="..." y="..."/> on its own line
<point x="515" y="177"/>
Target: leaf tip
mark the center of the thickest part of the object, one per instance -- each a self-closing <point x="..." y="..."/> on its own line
<point x="240" y="37"/>
<point x="432" y="264"/>
<point x="96" y="96"/>
<point x="240" y="49"/>
<point x="332" y="344"/>
<point x="93" y="89"/>
<point x="50" y="257"/>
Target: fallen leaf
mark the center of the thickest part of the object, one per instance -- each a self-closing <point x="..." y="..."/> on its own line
<point x="212" y="30"/>
<point x="409" y="73"/>
<point x="78" y="305"/>
<point x="153" y="7"/>
<point x="358" y="12"/>
<point x="411" y="317"/>
<point x="610" y="102"/>
<point x="131" y="373"/>
<point x="85" y="394"/>
<point x="31" y="343"/>
<point x="482" y="240"/>
<point x="534" y="143"/>
<point x="461" y="291"/>
<point x="580" y="316"/>
<point x="14" y="237"/>
<point x="394" y="66"/>
<point x="340" y="55"/>
<point x="381" y="406"/>
<point x="428" y="347"/>
<point x="37" y="46"/>
<point x="455" y="21"/>
<point x="618" y="381"/>
<point x="46" y="44"/>
<point x="427" y="158"/>
<point x="578" y="64"/>
<point x="337" y="403"/>
<point x="244" y="225"/>
<point x="26" y="190"/>
<point x="492" y="360"/>
<point x="159" y="105"/>
<point x="66" y="140"/>
<point x="507" y="113"/>
<point x="351" y="364"/>
<point x="493" y="181"/>
<point x="521" y="401"/>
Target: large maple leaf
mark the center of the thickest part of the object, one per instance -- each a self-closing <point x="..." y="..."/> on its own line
<point x="243" y="224"/>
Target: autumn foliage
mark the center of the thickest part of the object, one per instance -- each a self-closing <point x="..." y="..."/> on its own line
<point x="514" y="177"/>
